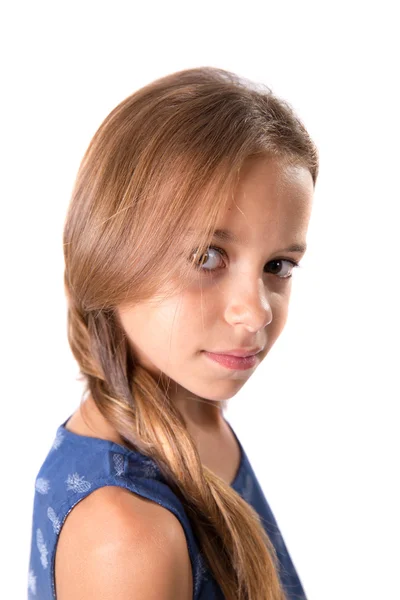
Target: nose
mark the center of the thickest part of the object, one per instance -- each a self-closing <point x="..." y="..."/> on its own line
<point x="249" y="305"/>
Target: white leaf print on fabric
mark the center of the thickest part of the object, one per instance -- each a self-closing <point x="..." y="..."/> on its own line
<point x="32" y="582"/>
<point x="118" y="460"/>
<point x="77" y="484"/>
<point x="42" y="485"/>
<point x="54" y="519"/>
<point x="57" y="440"/>
<point x="149" y="468"/>
<point x="42" y="548"/>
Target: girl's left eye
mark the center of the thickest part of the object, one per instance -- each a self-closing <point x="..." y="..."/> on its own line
<point x="209" y="271"/>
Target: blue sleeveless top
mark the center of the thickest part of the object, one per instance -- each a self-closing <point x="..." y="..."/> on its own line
<point x="77" y="465"/>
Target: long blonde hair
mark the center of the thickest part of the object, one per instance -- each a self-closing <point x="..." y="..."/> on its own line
<point x="151" y="186"/>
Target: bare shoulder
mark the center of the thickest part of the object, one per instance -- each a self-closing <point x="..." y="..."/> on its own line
<point x="116" y="544"/>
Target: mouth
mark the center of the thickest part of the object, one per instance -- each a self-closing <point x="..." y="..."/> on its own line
<point x="230" y="361"/>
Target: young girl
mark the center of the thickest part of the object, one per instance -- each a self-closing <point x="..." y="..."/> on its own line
<point x="189" y="213"/>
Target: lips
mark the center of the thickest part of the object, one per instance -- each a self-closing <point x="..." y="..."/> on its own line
<point x="234" y="362"/>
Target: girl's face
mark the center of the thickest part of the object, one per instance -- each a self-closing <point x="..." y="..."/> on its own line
<point x="240" y="295"/>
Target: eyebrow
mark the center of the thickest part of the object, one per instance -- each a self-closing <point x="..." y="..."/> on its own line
<point x="224" y="235"/>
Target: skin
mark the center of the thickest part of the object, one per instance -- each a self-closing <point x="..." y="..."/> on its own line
<point x="244" y="303"/>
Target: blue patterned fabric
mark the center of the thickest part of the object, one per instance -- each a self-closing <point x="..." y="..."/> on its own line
<point x="77" y="465"/>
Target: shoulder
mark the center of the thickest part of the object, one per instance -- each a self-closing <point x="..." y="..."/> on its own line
<point x="117" y="544"/>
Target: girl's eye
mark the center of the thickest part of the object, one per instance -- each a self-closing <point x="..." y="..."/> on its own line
<point x="276" y="264"/>
<point x="201" y="259"/>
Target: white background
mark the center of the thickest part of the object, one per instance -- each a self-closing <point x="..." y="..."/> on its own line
<point x="318" y="419"/>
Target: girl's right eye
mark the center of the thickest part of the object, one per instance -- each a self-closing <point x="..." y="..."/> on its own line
<point x="202" y="259"/>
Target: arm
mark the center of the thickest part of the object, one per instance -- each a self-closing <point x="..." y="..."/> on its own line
<point x="116" y="545"/>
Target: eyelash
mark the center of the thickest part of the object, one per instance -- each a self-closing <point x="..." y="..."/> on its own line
<point x="222" y="252"/>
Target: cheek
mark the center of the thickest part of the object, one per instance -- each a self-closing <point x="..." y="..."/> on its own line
<point x="173" y="330"/>
<point x="199" y="305"/>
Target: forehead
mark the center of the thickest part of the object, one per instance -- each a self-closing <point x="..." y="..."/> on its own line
<point x="270" y="204"/>
<point x="273" y="179"/>
<point x="228" y="236"/>
<point x="269" y="192"/>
